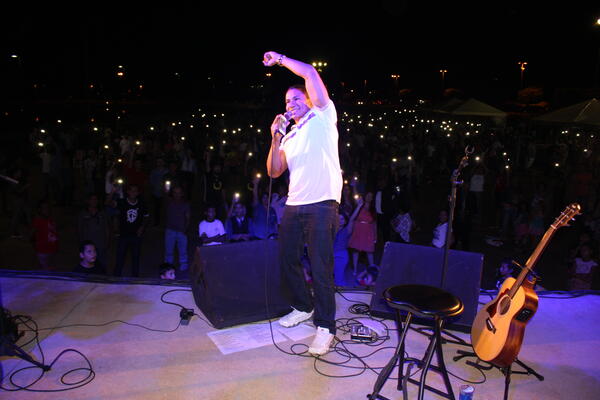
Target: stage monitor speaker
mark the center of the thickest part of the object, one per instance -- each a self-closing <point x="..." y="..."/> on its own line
<point x="228" y="282"/>
<point x="404" y="264"/>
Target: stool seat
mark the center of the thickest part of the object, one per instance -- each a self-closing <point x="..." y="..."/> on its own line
<point x="423" y="300"/>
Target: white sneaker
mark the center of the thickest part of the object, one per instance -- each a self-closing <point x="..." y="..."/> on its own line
<point x="294" y="318"/>
<point x="321" y="342"/>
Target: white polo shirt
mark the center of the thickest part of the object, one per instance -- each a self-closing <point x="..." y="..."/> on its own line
<point x="311" y="152"/>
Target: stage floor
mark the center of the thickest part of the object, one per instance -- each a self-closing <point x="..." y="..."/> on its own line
<point x="562" y="343"/>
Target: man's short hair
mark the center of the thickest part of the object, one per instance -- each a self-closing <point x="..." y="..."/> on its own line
<point x="300" y="87"/>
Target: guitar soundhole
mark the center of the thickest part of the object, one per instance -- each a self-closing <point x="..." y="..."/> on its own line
<point x="504" y="305"/>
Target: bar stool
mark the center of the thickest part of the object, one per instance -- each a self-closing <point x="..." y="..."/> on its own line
<point x="424" y="302"/>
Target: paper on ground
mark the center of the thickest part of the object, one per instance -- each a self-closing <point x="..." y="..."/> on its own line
<point x="298" y="332"/>
<point x="245" y="337"/>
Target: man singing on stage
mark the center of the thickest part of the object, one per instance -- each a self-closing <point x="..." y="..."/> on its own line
<point x="310" y="152"/>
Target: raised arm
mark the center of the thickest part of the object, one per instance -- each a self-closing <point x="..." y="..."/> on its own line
<point x="317" y="92"/>
<point x="350" y="224"/>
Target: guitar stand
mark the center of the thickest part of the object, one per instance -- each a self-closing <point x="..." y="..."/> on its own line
<point x="506" y="371"/>
<point x="456" y="340"/>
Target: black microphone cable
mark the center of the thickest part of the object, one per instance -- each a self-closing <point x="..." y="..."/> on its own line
<point x="266" y="260"/>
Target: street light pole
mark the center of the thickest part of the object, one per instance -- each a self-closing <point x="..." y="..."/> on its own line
<point x="395" y="77"/>
<point x="443" y="72"/>
<point x="522" y="64"/>
<point x="597" y="72"/>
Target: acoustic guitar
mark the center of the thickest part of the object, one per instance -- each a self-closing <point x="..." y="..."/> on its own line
<point x="498" y="330"/>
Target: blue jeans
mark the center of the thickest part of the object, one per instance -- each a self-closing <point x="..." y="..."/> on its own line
<point x="174" y="238"/>
<point x="316" y="225"/>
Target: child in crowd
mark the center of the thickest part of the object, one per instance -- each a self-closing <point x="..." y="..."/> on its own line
<point x="167" y="271"/>
<point x="402" y="224"/>
<point x="364" y="234"/>
<point x="239" y="226"/>
<point x="368" y="276"/>
<point x="439" y="232"/>
<point x="211" y="230"/>
<point x="585" y="239"/>
<point x="521" y="225"/>
<point x="88" y="263"/>
<point x="583" y="269"/>
<point x="45" y="237"/>
<point x="505" y="271"/>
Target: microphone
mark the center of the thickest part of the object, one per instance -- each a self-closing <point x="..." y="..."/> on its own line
<point x="284" y="120"/>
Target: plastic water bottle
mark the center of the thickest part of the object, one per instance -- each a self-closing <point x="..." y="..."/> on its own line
<point x="466" y="392"/>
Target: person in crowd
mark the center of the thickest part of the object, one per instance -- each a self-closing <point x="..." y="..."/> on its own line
<point x="239" y="227"/>
<point x="384" y="205"/>
<point x="157" y="189"/>
<point x="133" y="220"/>
<point x="476" y="192"/>
<point x="505" y="270"/>
<point x="278" y="202"/>
<point x="582" y="270"/>
<point x="211" y="230"/>
<point x="213" y="188"/>
<point x="262" y="228"/>
<point x="90" y="165"/>
<point x="45" y="237"/>
<point x="46" y="155"/>
<point x="368" y="276"/>
<point x="340" y="244"/>
<point x="94" y="225"/>
<point x="402" y="224"/>
<point x="166" y="271"/>
<point x="125" y="145"/>
<point x="439" y="232"/>
<point x="521" y="223"/>
<point x="189" y="169"/>
<point x="584" y="239"/>
<point x="536" y="224"/>
<point x="88" y="262"/>
<point x="134" y="172"/>
<point x="174" y="177"/>
<point x="364" y="234"/>
<point x="177" y="224"/>
<point x="581" y="182"/>
<point x="348" y="204"/>
<point x="18" y="198"/>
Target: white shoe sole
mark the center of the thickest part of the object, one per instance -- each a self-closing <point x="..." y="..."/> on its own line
<point x="297" y="323"/>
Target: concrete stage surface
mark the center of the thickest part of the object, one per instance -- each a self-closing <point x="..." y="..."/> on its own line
<point x="562" y="343"/>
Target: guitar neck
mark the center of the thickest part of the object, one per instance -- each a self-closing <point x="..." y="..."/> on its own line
<point x="532" y="260"/>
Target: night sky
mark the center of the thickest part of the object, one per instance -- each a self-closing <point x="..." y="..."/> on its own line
<point x="478" y="43"/>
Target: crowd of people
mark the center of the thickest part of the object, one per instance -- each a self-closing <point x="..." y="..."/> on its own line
<point x="203" y="182"/>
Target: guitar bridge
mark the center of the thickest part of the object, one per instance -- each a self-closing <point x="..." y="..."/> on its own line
<point x="490" y="325"/>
